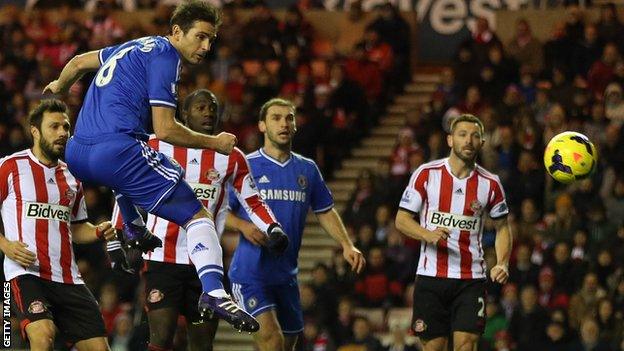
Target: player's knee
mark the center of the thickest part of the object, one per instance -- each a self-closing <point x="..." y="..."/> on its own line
<point x="94" y="344"/>
<point x="202" y="213"/>
<point x="465" y="343"/>
<point x="271" y="341"/>
<point x="270" y="337"/>
<point x="161" y="338"/>
<point x="41" y="334"/>
<point x="162" y="329"/>
<point x="438" y="344"/>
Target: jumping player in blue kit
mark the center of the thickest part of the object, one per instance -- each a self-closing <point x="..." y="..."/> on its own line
<point x="263" y="283"/>
<point x="134" y="93"/>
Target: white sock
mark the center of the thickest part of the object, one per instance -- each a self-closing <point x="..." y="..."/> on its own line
<point x="202" y="244"/>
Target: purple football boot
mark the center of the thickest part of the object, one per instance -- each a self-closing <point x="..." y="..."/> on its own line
<point x="226" y="309"/>
<point x="140" y="238"/>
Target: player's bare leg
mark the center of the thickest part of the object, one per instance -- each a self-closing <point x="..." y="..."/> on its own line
<point x="41" y="334"/>
<point x="269" y="337"/>
<point x="201" y="335"/>
<point x="289" y="342"/>
<point x="437" y="344"/>
<point x="206" y="254"/>
<point x="464" y="341"/>
<point x="99" y="343"/>
<point x="162" y="324"/>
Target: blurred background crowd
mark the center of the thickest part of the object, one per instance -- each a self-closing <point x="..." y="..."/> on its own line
<point x="566" y="289"/>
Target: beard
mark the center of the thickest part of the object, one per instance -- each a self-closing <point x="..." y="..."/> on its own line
<point x="467" y="159"/>
<point x="282" y="145"/>
<point x="48" y="150"/>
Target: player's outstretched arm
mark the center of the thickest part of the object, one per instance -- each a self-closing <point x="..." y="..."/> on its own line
<point x="73" y="70"/>
<point x="503" y="245"/>
<point x="85" y="232"/>
<point x="405" y="223"/>
<point x="331" y="222"/>
<point x="17" y="251"/>
<point x="168" y="129"/>
<point x="249" y="230"/>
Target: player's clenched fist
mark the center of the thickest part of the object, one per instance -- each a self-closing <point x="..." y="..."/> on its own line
<point x="105" y="231"/>
<point x="436" y="235"/>
<point x="225" y="143"/>
<point x="18" y="252"/>
<point x="499" y="274"/>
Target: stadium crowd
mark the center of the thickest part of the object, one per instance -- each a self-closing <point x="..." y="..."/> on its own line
<point x="566" y="289"/>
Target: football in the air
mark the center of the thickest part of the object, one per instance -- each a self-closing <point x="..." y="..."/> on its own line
<point x="570" y="156"/>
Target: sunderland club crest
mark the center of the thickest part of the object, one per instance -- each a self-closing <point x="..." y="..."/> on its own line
<point x="213" y="175"/>
<point x="69" y="196"/>
<point x="155" y="295"/>
<point x="476" y="207"/>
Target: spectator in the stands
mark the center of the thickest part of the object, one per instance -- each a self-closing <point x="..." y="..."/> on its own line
<point x="529" y="321"/>
<point x="557" y="50"/>
<point x="482" y="38"/>
<point x="363" y="335"/>
<point x="361" y="206"/>
<point x="590" y="339"/>
<point x="104" y="28"/>
<point x="614" y="103"/>
<point x="296" y="30"/>
<point x="399" y="160"/>
<point x="312" y="307"/>
<point x="449" y="87"/>
<point x="556" y="338"/>
<point x="466" y="67"/>
<point x="394" y="30"/>
<point x="342" y="327"/>
<point x="584" y="303"/>
<point x="315" y="337"/>
<point x="378" y="51"/>
<point x="525" y="48"/>
<point x="377" y="286"/>
<point x="401" y="258"/>
<point x="550" y="296"/>
<point x="523" y="272"/>
<point x="574" y="22"/>
<point x="261" y="34"/>
<point x="601" y="71"/>
<point x="495" y="322"/>
<point x="587" y="51"/>
<point x="610" y="29"/>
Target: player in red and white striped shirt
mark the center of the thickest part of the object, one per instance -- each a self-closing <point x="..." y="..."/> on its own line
<point x="43" y="211"/>
<point x="172" y="286"/>
<point x="451" y="196"/>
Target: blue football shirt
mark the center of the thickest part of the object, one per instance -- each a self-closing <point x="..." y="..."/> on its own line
<point x="133" y="76"/>
<point x="290" y="189"/>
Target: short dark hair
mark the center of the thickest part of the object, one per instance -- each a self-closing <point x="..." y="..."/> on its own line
<point x="188" y="101"/>
<point x="190" y="11"/>
<point x="47" y="105"/>
<point x="468" y="118"/>
<point x="275" y="102"/>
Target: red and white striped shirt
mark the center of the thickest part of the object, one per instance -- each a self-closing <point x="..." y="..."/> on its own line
<point x="209" y="173"/>
<point x="38" y="205"/>
<point x="444" y="200"/>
